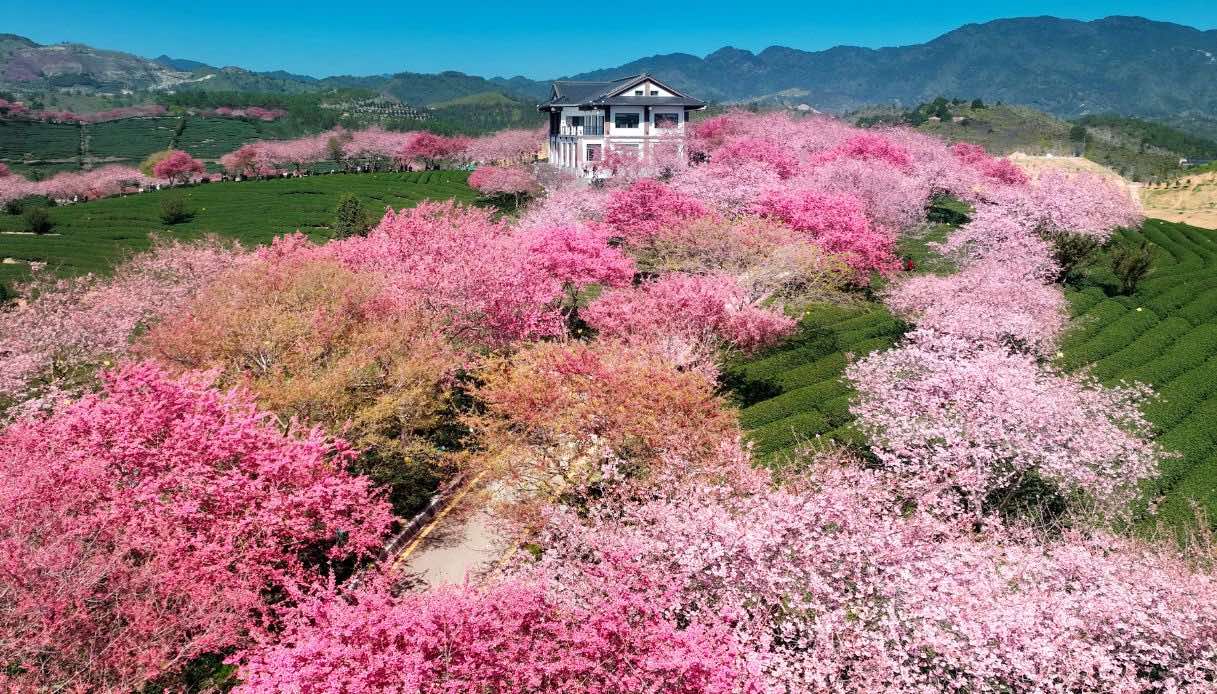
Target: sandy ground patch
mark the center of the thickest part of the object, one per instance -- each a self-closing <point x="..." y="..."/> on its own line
<point x="1193" y="201"/>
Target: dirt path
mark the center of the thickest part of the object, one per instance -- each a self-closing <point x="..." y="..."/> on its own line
<point x="459" y="541"/>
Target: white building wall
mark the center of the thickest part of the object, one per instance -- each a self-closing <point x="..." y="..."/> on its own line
<point x="646" y="88"/>
<point x="568" y="149"/>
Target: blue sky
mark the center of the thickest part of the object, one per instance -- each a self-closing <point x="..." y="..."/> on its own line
<point x="528" y="37"/>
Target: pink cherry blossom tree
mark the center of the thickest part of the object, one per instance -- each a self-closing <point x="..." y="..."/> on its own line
<point x="968" y="426"/>
<point x="431" y="150"/>
<point x="248" y="160"/>
<point x="51" y="342"/>
<point x="831" y="583"/>
<point x="506" y="147"/>
<point x="772" y="154"/>
<point x="690" y="309"/>
<point x="985" y="302"/>
<point x="646" y="207"/>
<point x="455" y="262"/>
<point x="513" y="181"/>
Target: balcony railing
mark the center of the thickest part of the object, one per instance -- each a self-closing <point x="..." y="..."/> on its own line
<point x="582" y="130"/>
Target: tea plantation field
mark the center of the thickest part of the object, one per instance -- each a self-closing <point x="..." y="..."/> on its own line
<point x="1165" y="334"/>
<point x="52" y="147"/>
<point x="797" y="392"/>
<point x="93" y="236"/>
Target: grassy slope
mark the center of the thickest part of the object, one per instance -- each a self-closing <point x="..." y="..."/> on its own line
<point x="1005" y="129"/>
<point x="1171" y="344"/>
<point x="97" y="234"/>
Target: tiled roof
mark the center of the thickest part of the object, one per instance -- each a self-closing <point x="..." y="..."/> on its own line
<point x="576" y="93"/>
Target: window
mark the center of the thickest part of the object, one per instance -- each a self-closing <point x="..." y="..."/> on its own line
<point x="667" y="120"/>
<point x="626" y="120"/>
<point x="628" y="151"/>
<point x="576" y="121"/>
<point x="654" y="93"/>
<point x="637" y="92"/>
<point x="593" y="152"/>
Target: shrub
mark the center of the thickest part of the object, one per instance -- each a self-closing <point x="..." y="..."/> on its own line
<point x="20" y="205"/>
<point x="173" y="209"/>
<point x="350" y="218"/>
<point x="1131" y="264"/>
<point x="1072" y="251"/>
<point x="38" y="220"/>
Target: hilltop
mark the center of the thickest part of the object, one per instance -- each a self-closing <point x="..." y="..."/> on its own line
<point x="1136" y="149"/>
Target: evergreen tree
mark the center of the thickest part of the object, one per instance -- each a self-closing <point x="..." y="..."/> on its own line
<point x="350" y="219"/>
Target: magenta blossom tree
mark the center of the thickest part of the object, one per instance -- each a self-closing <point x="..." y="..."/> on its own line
<point x="579" y="256"/>
<point x="836" y="223"/>
<point x="646" y="207"/>
<point x="178" y="167"/>
<point x="509" y="636"/>
<point x="160" y="520"/>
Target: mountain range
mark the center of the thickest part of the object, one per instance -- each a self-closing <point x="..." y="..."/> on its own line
<point x="1070" y="68"/>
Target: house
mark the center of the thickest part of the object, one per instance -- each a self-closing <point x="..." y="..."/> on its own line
<point x="627" y="117"/>
<point x="1187" y="163"/>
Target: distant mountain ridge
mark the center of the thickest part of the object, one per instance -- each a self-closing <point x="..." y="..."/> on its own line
<point x="1126" y="65"/>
